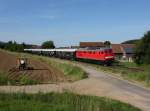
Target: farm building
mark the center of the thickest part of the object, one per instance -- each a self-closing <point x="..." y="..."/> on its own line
<point x="123" y="51"/>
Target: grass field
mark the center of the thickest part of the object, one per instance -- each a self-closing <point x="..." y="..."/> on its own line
<point x="60" y="102"/>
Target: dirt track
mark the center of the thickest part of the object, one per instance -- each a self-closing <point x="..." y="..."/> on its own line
<point x="42" y="72"/>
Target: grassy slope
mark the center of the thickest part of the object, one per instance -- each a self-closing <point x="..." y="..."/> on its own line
<point x="71" y="71"/>
<point x="60" y="102"/>
<point x="141" y="76"/>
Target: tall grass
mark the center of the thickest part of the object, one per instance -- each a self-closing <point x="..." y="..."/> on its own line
<point x="142" y="76"/>
<point x="135" y="72"/>
<point x="74" y="73"/>
<point x="60" y="102"/>
<point x="129" y="71"/>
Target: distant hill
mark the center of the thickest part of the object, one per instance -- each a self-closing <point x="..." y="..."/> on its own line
<point x="134" y="41"/>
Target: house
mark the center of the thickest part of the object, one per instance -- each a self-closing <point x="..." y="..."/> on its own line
<point x="123" y="52"/>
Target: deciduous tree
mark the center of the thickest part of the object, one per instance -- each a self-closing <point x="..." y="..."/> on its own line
<point x="48" y="45"/>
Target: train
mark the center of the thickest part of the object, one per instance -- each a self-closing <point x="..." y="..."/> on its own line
<point x="104" y="56"/>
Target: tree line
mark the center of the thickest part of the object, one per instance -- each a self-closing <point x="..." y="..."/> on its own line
<point x="16" y="47"/>
<point x="12" y="46"/>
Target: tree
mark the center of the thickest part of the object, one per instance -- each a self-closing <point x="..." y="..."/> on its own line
<point x="24" y="45"/>
<point x="48" y="45"/>
<point x="2" y="44"/>
<point x="107" y="43"/>
<point x="142" y="52"/>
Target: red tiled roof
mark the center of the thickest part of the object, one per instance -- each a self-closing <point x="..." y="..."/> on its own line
<point x="128" y="45"/>
<point x="116" y="48"/>
<point x="92" y="44"/>
<point x="119" y="48"/>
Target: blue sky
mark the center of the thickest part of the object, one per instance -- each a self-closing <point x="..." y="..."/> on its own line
<point x="67" y="22"/>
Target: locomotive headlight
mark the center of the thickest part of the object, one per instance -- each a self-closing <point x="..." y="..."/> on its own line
<point x="109" y="57"/>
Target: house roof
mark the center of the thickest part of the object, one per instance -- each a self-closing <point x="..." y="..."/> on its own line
<point x="92" y="44"/>
<point x="116" y="48"/>
<point x="120" y="48"/>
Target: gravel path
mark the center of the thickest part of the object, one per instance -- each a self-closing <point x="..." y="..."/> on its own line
<point x="98" y="84"/>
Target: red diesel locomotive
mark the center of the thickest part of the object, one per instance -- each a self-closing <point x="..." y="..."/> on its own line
<point x="103" y="55"/>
